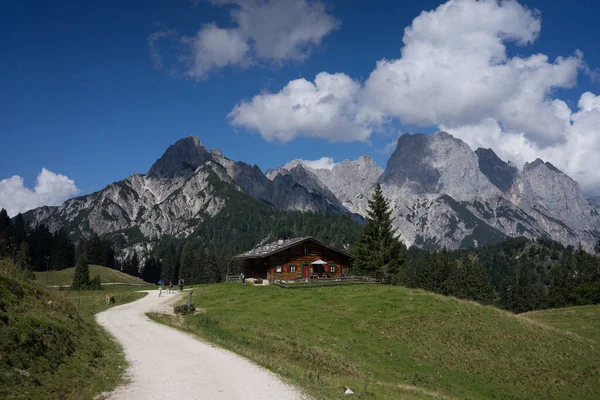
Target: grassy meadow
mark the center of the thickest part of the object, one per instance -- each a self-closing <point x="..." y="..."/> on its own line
<point x="107" y="275"/>
<point x="389" y="342"/>
<point x="583" y="320"/>
<point x="50" y="346"/>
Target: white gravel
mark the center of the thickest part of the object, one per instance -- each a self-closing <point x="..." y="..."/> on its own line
<point x="168" y="364"/>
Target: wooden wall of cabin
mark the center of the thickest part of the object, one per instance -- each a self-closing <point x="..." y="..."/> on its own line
<point x="296" y="256"/>
<point x="256" y="268"/>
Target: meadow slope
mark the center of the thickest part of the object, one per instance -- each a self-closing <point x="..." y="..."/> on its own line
<point x="581" y="320"/>
<point x="107" y="275"/>
<point x="392" y="342"/>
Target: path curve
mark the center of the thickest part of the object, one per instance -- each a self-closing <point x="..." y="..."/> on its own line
<point x="168" y="364"/>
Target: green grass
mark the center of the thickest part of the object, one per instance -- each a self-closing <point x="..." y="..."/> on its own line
<point x="48" y="348"/>
<point x="392" y="342"/>
<point x="107" y="275"/>
<point x="90" y="302"/>
<point x="582" y="320"/>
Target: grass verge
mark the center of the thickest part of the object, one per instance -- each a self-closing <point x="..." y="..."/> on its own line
<point x="391" y="342"/>
<point x="48" y="348"/>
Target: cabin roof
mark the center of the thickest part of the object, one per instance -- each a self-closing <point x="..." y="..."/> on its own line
<point x="268" y="249"/>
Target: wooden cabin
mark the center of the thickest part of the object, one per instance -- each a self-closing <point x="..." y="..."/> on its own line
<point x="298" y="258"/>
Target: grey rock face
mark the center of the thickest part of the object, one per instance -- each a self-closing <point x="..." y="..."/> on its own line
<point x="436" y="164"/>
<point x="539" y="201"/>
<point x="500" y="174"/>
<point x="176" y="194"/>
<point x="351" y="182"/>
<point x="594" y="201"/>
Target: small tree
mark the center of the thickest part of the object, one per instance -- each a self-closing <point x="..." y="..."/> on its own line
<point x="378" y="252"/>
<point x="597" y="247"/>
<point x="81" y="279"/>
<point x="23" y="259"/>
<point x="95" y="283"/>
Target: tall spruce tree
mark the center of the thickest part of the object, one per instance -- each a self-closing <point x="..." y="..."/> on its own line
<point x="378" y="252"/>
<point x="23" y="258"/>
<point x="188" y="263"/>
<point x="81" y="278"/>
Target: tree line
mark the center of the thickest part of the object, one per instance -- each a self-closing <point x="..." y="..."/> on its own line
<point x="35" y="249"/>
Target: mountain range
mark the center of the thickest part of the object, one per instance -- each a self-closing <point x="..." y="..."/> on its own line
<point x="442" y="193"/>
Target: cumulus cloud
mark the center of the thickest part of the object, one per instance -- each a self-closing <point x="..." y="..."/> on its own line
<point x="51" y="189"/>
<point x="269" y="30"/>
<point x="214" y="48"/>
<point x="578" y="156"/>
<point x="453" y="72"/>
<point x="328" y="108"/>
<point x="321" y="163"/>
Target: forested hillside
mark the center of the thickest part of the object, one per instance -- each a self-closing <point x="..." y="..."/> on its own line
<point x="517" y="274"/>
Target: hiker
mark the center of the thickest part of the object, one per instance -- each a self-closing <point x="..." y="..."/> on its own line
<point x="181" y="284"/>
<point x="160" y="287"/>
<point x="170" y="287"/>
<point x="243" y="279"/>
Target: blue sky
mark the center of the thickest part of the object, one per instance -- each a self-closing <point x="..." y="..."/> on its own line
<point x="81" y="96"/>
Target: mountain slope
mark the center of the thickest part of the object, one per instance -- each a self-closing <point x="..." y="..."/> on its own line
<point x="443" y="194"/>
<point x="350" y="182"/>
<point x="175" y="195"/>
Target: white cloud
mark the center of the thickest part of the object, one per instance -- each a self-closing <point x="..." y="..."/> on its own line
<point x="454" y="73"/>
<point x="321" y="163"/>
<point x="282" y="29"/>
<point x="578" y="156"/>
<point x="270" y="30"/>
<point x="327" y="108"/>
<point x="214" y="48"/>
<point x="51" y="189"/>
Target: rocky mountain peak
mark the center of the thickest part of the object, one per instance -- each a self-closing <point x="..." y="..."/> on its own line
<point x="181" y="159"/>
<point x="537" y="163"/>
<point x="435" y="164"/>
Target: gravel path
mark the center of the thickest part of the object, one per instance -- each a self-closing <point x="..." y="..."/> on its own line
<point x="168" y="364"/>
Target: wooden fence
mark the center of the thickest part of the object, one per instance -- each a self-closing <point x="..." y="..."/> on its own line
<point x="321" y="282"/>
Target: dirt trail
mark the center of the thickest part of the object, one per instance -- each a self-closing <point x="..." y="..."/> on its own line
<point x="168" y="364"/>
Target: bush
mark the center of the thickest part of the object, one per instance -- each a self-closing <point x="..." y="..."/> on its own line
<point x="95" y="283"/>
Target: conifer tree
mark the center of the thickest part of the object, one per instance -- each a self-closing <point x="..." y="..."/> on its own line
<point x="81" y="279"/>
<point x="131" y="266"/>
<point x="188" y="263"/>
<point x="378" y="252"/>
<point x="23" y="259"/>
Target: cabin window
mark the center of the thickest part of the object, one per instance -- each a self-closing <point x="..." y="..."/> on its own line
<point x="292" y="268"/>
<point x="332" y="268"/>
<point x="306" y="251"/>
<point x="278" y="269"/>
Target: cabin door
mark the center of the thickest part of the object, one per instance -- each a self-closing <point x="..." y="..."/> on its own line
<point x="305" y="271"/>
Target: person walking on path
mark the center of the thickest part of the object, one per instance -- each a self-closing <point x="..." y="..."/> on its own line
<point x="181" y="281"/>
<point x="170" y="287"/>
<point x="243" y="279"/>
<point x="160" y="287"/>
